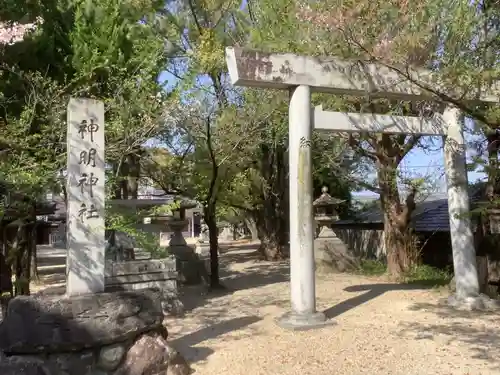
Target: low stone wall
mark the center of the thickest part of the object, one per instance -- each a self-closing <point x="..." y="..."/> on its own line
<point x="362" y="242"/>
<point x="142" y="274"/>
<point x="137" y="275"/>
<point x="104" y="334"/>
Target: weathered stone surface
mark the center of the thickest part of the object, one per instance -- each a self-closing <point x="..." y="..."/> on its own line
<point x="332" y="255"/>
<point x="142" y="266"/>
<point x="110" y="357"/>
<point x="151" y="355"/>
<point x="23" y="366"/>
<point x="480" y="302"/>
<point x="177" y="364"/>
<point x="86" y="240"/>
<point x="172" y="306"/>
<point x="104" y="334"/>
<point x="142" y="274"/>
<point x="53" y="325"/>
<point x="80" y="363"/>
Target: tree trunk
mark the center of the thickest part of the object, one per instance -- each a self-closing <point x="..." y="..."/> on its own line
<point x="22" y="256"/>
<point x="211" y="221"/>
<point x="117" y="188"/>
<point x="5" y="272"/>
<point x="6" y="290"/>
<point x="490" y="244"/>
<point x="271" y="219"/>
<point x="133" y="169"/>
<point x="34" y="258"/>
<point x="32" y="240"/>
<point x="5" y="269"/>
<point x="272" y="236"/>
<point x="234" y="228"/>
<point x="400" y="243"/>
<point x="252" y="227"/>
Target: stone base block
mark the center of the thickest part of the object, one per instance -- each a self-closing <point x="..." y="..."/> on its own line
<point x="474" y="303"/>
<point x="332" y="255"/>
<point x="302" y="322"/>
<point x="107" y="334"/>
<point x="190" y="265"/>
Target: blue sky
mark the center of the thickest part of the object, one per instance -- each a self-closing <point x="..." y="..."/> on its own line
<point x="418" y="163"/>
<point x="430" y="162"/>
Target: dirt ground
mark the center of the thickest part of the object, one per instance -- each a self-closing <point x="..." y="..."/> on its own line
<point x="377" y="328"/>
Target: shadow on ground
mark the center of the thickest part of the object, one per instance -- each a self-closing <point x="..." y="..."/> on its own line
<point x="372" y="291"/>
<point x="218" y="318"/>
<point x="187" y="343"/>
<point x="476" y="329"/>
<point x="255" y="275"/>
<point x="225" y="248"/>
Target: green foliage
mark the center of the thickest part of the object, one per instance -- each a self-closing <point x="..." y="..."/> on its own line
<point x="224" y="145"/>
<point x="109" y="50"/>
<point x="120" y="220"/>
<point x="370" y="267"/>
<point x="165" y="209"/>
<point x="427" y="275"/>
<point x="423" y="274"/>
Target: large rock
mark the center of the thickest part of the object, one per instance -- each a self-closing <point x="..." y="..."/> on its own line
<point x="151" y="355"/>
<point x="47" y="325"/>
<point x="110" y="357"/>
<point x="105" y="334"/>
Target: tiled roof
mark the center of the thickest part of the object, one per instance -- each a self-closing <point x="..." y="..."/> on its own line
<point x="430" y="215"/>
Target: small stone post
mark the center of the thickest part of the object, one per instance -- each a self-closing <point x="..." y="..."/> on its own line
<point x="86" y="197"/>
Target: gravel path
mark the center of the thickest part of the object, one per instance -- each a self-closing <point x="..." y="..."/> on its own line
<point x="381" y="328"/>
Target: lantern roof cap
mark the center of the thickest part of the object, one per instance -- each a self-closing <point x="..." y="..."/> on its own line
<point x="326" y="199"/>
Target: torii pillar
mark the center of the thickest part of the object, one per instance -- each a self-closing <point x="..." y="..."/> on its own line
<point x="302" y="74"/>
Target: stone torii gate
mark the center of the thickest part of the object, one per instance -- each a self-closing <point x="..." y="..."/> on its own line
<point x="303" y="74"/>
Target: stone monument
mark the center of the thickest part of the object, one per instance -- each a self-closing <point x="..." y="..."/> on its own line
<point x="330" y="253"/>
<point x="90" y="331"/>
<point x="86" y="242"/>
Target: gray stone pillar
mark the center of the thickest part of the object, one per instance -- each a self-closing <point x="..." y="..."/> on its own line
<point x="86" y="197"/>
<point x="302" y="268"/>
<point x="464" y="254"/>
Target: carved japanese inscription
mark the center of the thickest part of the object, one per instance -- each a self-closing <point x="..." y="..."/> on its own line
<point x="86" y="197"/>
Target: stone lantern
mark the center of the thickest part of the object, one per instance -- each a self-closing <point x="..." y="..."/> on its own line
<point x="177" y="222"/>
<point x="190" y="269"/>
<point x="325" y="214"/>
<point x="330" y="253"/>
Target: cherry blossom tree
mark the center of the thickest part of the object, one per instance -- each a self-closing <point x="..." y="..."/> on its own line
<point x="14" y="32"/>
